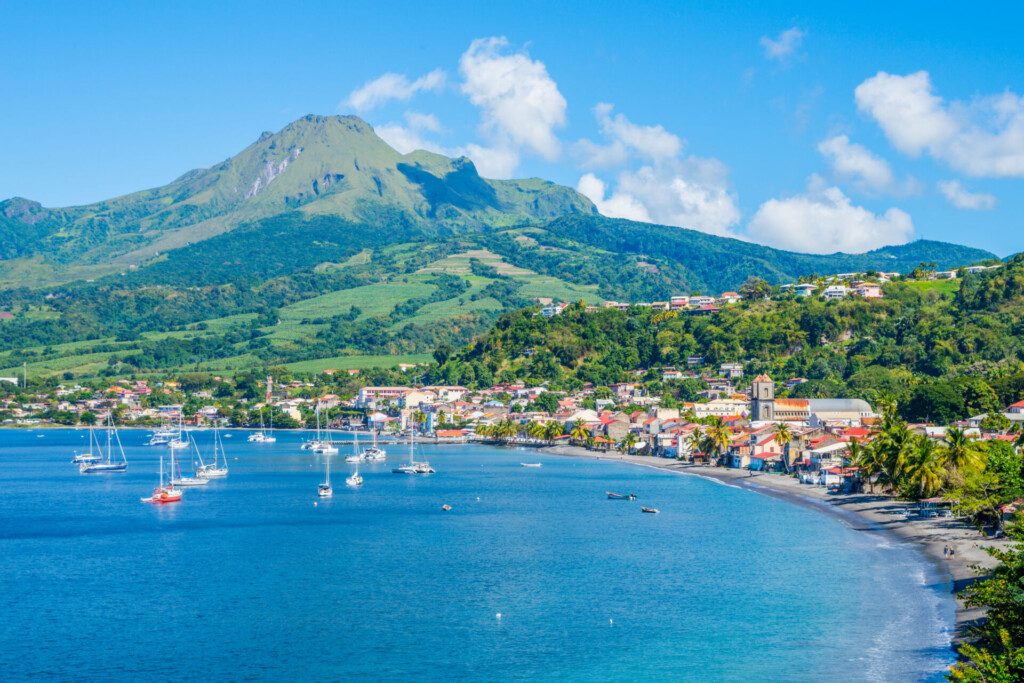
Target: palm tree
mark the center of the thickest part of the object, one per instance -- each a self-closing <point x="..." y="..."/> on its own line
<point x="695" y="441"/>
<point x="718" y="437"/>
<point x="505" y="430"/>
<point x="961" y="452"/>
<point x="579" y="431"/>
<point x="418" y="418"/>
<point x="484" y="430"/>
<point x="628" y="442"/>
<point x="784" y="437"/>
<point x="535" y="430"/>
<point x="553" y="430"/>
<point x="925" y="468"/>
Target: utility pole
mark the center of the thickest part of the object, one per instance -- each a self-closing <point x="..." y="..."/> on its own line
<point x="24" y="374"/>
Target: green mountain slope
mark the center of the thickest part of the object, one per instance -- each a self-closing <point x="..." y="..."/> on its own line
<point x="321" y="240"/>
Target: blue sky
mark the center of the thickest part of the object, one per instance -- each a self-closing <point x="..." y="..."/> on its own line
<point x="798" y="125"/>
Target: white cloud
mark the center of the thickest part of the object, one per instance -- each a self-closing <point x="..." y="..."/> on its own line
<point x="491" y="162"/>
<point x="652" y="143"/>
<point x="784" y="45"/>
<point x="667" y="188"/>
<point x="962" y="198"/>
<point x="520" y="103"/>
<point x="410" y="136"/>
<point x="619" y="205"/>
<point x="392" y="86"/>
<point x="984" y="137"/>
<point x="689" y="193"/>
<point x="856" y="162"/>
<point x="824" y="220"/>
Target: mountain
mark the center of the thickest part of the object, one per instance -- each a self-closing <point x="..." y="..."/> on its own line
<point x="322" y="241"/>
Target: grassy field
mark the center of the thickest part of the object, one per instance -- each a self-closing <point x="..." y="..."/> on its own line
<point x="946" y="288"/>
<point x="360" y="362"/>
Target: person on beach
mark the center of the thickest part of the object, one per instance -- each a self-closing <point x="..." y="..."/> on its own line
<point x="945" y="551"/>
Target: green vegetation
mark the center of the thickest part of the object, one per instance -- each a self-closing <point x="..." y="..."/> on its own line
<point x="939" y="358"/>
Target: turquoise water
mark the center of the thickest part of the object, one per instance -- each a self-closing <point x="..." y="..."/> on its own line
<point x="248" y="579"/>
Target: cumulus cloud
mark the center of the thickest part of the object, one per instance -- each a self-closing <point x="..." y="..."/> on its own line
<point x="411" y="135"/>
<point x="962" y="198"/>
<point x="667" y="188"/>
<point x="491" y="162"/>
<point x="520" y="103"/>
<point x="850" y="160"/>
<point x="626" y="139"/>
<point x="824" y="220"/>
<point x="984" y="137"/>
<point x="781" y="47"/>
<point x="392" y="86"/>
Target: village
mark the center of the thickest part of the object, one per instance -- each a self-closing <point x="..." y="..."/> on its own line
<point x="736" y="422"/>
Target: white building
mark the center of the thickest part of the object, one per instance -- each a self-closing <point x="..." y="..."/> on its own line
<point x="834" y="292"/>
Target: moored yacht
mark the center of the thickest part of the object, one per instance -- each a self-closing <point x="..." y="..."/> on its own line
<point x="164" y="494"/>
<point x="182" y="480"/>
<point x="324" y="490"/>
<point x="108" y="462"/>
<point x="215" y="470"/>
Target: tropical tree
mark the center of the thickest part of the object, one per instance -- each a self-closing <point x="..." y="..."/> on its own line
<point x="962" y="454"/>
<point x="783" y="437"/>
<point x="418" y="418"/>
<point x="925" y="470"/>
<point x="553" y="430"/>
<point x="579" y="431"/>
<point x="718" y="437"/>
<point x="535" y="430"/>
<point x="628" y="442"/>
<point x="695" y="441"/>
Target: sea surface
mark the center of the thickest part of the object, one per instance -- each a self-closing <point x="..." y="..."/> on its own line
<point x="253" y="578"/>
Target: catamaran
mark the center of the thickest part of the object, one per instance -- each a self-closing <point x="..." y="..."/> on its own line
<point x="180" y="479"/>
<point x="264" y="436"/>
<point x="413" y="467"/>
<point x="374" y="453"/>
<point x="215" y="470"/>
<point x="162" y="436"/>
<point x="324" y="490"/>
<point x="164" y="494"/>
<point x="324" y="446"/>
<point x="107" y="462"/>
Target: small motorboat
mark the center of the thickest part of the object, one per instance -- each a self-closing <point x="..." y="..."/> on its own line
<point x="652" y="511"/>
<point x="354" y="458"/>
<point x="620" y="496"/>
<point x="446" y="507"/>
<point x="375" y="454"/>
<point x="84" y="457"/>
<point x="355" y="480"/>
<point x="530" y="464"/>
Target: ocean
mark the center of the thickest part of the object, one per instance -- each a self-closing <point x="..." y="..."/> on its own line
<point x="254" y="578"/>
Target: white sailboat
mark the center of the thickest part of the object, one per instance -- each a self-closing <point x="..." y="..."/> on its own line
<point x="373" y="452"/>
<point x="324" y="490"/>
<point x="215" y="470"/>
<point x="356" y="455"/>
<point x="262" y="436"/>
<point x="107" y="462"/>
<point x="179" y="440"/>
<point x="413" y="467"/>
<point x="162" y="436"/>
<point x="325" y="446"/>
<point x="180" y="479"/>
<point x="88" y="456"/>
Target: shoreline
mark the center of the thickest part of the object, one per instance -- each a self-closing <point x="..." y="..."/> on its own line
<point x="863" y="511"/>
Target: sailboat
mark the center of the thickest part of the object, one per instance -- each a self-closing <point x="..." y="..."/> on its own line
<point x="88" y="456"/>
<point x="164" y="494"/>
<point x="107" y="463"/>
<point x="162" y="436"/>
<point x="262" y="436"/>
<point x="356" y="479"/>
<point x="182" y="480"/>
<point x="324" y="446"/>
<point x="373" y="452"/>
<point x="413" y="467"/>
<point x="324" y="490"/>
<point x="356" y="455"/>
<point x="179" y="440"/>
<point x="215" y="470"/>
